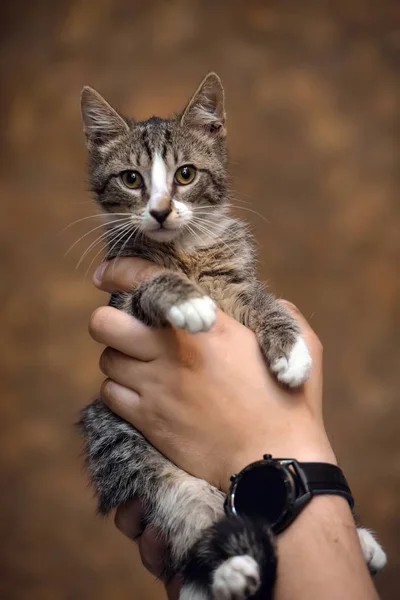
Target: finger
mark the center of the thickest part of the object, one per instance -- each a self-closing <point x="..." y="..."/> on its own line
<point x="122" y="401"/>
<point x="124" y="370"/>
<point x="129" y="519"/>
<point x="124" y="274"/>
<point x="152" y="550"/>
<point x="119" y="330"/>
<point x="173" y="588"/>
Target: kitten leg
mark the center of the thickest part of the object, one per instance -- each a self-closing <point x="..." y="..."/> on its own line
<point x="373" y="552"/>
<point x="170" y="298"/>
<point x="233" y="560"/>
<point x="280" y="339"/>
<point x="122" y="464"/>
<point x="184" y="507"/>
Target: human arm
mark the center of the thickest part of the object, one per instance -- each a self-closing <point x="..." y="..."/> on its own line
<point x="168" y="383"/>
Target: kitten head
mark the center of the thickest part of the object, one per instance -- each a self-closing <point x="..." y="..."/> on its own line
<point x="168" y="175"/>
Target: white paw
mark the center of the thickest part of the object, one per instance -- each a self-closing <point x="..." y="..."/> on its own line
<point x="374" y="554"/>
<point x="236" y="579"/>
<point x="295" y="368"/>
<point x="195" y="315"/>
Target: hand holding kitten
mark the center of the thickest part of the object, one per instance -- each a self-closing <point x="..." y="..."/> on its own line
<point x="167" y="383"/>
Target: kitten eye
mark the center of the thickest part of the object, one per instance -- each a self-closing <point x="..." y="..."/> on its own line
<point x="132" y="179"/>
<point x="185" y="174"/>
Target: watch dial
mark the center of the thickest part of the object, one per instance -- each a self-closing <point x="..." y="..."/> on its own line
<point x="262" y="492"/>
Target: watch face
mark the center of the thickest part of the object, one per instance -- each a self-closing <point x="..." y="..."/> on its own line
<point x="265" y="491"/>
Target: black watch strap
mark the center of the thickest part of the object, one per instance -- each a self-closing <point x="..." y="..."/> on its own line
<point x="324" y="478"/>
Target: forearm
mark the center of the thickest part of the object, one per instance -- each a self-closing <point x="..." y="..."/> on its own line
<point x="320" y="556"/>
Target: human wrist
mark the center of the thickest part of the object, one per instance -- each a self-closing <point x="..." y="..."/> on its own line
<point x="312" y="448"/>
<point x="324" y="533"/>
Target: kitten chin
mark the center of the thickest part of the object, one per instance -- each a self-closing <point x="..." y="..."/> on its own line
<point x="163" y="236"/>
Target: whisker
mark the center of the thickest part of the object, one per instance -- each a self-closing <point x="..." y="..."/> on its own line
<point x="206" y="230"/>
<point x="227" y="238"/>
<point x="115" y="229"/>
<point x="119" y="237"/>
<point x="94" y="229"/>
<point x="114" y="232"/>
<point x="123" y="246"/>
<point x="211" y="223"/>
<point x="252" y="211"/>
<point x="193" y="232"/>
<point x="237" y="199"/>
<point x="102" y="215"/>
<point x="109" y="232"/>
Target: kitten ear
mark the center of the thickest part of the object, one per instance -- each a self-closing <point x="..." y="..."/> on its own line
<point x="101" y="123"/>
<point x="206" y="108"/>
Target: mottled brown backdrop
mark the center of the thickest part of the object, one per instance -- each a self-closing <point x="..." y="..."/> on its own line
<point x="313" y="118"/>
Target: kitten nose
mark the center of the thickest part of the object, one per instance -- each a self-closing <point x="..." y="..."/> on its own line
<point x="160" y="215"/>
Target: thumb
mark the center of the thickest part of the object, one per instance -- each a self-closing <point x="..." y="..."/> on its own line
<point x="124" y="274"/>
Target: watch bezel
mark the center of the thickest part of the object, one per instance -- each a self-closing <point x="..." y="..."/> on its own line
<point x="297" y="490"/>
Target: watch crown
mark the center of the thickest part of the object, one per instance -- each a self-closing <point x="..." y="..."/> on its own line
<point x="267" y="456"/>
<point x="233" y="478"/>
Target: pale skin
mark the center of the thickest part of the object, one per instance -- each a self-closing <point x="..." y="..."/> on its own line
<point x="210" y="405"/>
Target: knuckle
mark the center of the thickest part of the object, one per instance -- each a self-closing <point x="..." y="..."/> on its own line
<point x="221" y="324"/>
<point x="189" y="356"/>
<point x="292" y="307"/>
<point x="136" y="271"/>
<point x="148" y="271"/>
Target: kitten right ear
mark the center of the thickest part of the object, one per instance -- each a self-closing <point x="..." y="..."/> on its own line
<point x="101" y="123"/>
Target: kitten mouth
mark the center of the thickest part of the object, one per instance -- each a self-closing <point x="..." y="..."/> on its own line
<point x="162" y="234"/>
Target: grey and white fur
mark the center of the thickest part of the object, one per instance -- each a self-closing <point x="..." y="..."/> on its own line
<point x="163" y="186"/>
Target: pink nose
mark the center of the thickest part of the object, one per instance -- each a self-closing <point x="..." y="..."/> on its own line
<point x="160" y="215"/>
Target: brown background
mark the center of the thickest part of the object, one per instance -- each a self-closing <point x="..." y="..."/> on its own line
<point x="313" y="112"/>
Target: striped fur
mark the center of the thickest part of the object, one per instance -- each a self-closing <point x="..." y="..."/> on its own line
<point x="207" y="253"/>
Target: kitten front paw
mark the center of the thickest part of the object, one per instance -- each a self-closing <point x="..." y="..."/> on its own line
<point x="374" y="555"/>
<point x="194" y="315"/>
<point x="237" y="578"/>
<point x="293" y="369"/>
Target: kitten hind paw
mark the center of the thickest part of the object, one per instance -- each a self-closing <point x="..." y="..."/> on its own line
<point x="237" y="578"/>
<point x="194" y="315"/>
<point x="293" y="369"/>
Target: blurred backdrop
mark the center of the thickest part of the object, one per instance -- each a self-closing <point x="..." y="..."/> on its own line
<point x="313" y="112"/>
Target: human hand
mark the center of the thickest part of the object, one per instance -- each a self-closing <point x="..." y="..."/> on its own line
<point x="206" y="401"/>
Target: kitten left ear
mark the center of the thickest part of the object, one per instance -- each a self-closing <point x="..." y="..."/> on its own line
<point x="101" y="122"/>
<point x="206" y="108"/>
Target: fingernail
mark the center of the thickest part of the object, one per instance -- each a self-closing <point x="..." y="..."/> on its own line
<point x="98" y="275"/>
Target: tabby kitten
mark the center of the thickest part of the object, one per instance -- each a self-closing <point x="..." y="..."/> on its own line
<point x="166" y="181"/>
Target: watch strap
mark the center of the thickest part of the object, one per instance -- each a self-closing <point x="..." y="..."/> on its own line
<point x="325" y="478"/>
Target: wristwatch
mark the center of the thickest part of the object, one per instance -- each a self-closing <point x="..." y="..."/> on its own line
<point x="277" y="489"/>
